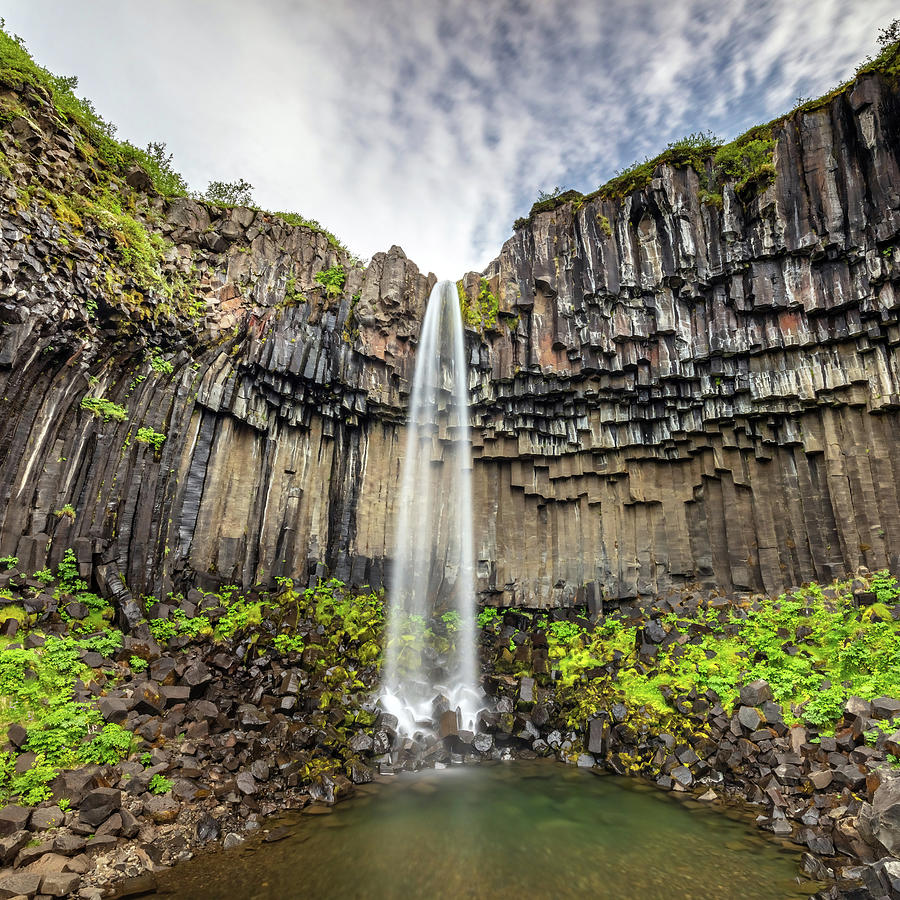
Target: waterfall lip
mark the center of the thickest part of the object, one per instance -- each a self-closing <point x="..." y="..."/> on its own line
<point x="433" y="562"/>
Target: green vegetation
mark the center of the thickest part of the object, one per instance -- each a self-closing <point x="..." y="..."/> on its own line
<point x="9" y="562"/>
<point x="159" y="784"/>
<point x="333" y="279"/>
<point x="292" y="295"/>
<point x="140" y="250"/>
<point x="163" y="366"/>
<point x="103" y="198"/>
<point x="480" y="314"/>
<point x="888" y="60"/>
<point x="489" y="616"/>
<point x="297" y="219"/>
<point x="18" y="70"/>
<point x="229" y="193"/>
<point x="746" y="161"/>
<point x="104" y="409"/>
<point x="36" y="691"/>
<point x="149" y="436"/>
<point x="814" y="647"/>
<point x="66" y="510"/>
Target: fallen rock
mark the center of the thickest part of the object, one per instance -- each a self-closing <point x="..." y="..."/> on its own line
<point x="756" y="693"/>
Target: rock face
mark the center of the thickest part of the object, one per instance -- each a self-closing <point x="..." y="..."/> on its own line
<point x="672" y="392"/>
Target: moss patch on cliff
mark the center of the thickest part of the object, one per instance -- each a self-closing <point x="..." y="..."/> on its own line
<point x="480" y="312"/>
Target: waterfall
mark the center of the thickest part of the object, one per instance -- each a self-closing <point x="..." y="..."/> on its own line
<point x="433" y="569"/>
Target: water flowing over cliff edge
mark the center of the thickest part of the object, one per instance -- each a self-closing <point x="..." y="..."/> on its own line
<point x="668" y="391"/>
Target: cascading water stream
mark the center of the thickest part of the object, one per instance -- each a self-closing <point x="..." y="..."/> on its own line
<point x="433" y="562"/>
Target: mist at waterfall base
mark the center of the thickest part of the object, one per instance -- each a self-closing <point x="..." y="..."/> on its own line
<point x="433" y="568"/>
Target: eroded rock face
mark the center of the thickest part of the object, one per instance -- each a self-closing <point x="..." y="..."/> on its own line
<point x="672" y="393"/>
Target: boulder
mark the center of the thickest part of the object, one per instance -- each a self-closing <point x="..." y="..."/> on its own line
<point x="20" y="884"/>
<point x="13" y="818"/>
<point x="99" y="804"/>
<point x="47" y="817"/>
<point x="879" y="823"/>
<point x="59" y="884"/>
<point x="756" y="693"/>
<point x="749" y="718"/>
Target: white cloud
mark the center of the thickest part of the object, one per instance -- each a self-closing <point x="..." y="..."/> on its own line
<point x="433" y="124"/>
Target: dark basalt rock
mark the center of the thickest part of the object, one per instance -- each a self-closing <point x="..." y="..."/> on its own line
<point x="683" y="366"/>
<point x="756" y="693"/>
<point x="98" y="805"/>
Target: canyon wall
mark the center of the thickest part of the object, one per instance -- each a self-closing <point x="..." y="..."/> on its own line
<point x="673" y="392"/>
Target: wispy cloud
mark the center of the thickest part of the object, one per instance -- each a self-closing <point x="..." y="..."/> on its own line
<point x="433" y="123"/>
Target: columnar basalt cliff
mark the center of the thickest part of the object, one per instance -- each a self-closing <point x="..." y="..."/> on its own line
<point x="670" y="391"/>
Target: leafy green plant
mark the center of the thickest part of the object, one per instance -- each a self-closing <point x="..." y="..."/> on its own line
<point x="110" y="745"/>
<point x="67" y="574"/>
<point x="333" y="280"/>
<point x="44" y="575"/>
<point x="489" y="616"/>
<point x="451" y="621"/>
<point x="148" y="436"/>
<point x="9" y="562"/>
<point x="159" y="784"/>
<point x="66" y="510"/>
<point x="31" y="786"/>
<point x="885" y="587"/>
<point x="137" y="664"/>
<point x="288" y="643"/>
<point x="159" y="364"/>
<point x="104" y="409"/>
<point x="105" y="643"/>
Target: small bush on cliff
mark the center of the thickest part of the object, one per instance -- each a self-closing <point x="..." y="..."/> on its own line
<point x="747" y="162"/>
<point x="148" y="436"/>
<point x="229" y="193"/>
<point x="333" y="280"/>
<point x="104" y="409"/>
<point x="161" y="365"/>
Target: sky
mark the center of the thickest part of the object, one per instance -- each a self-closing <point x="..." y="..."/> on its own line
<point x="433" y="124"/>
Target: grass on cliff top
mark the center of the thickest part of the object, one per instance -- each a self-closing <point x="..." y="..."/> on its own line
<point x="19" y="71"/>
<point x="814" y="647"/>
<point x="747" y="161"/>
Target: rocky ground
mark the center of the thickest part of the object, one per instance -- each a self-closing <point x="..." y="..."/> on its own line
<point x="235" y="707"/>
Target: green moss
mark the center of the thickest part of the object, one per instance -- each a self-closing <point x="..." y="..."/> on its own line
<point x="297" y="219"/>
<point x="292" y="296"/>
<point x="141" y="251"/>
<point x="480" y="313"/>
<point x="350" y="332"/>
<point x="605" y="227"/>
